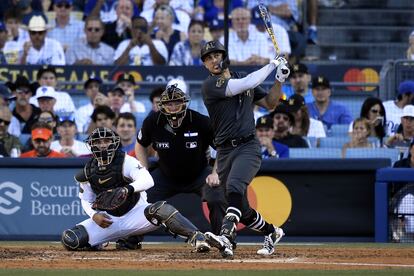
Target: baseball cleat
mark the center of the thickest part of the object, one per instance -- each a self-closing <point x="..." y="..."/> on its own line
<point x="199" y="242"/>
<point x="202" y="246"/>
<point x="222" y="243"/>
<point x="270" y="242"/>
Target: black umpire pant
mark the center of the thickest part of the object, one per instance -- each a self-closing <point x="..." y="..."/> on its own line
<point x="236" y="167"/>
<point x="165" y="187"/>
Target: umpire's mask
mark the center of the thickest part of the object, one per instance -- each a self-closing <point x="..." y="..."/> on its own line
<point x="173" y="104"/>
<point x="103" y="143"/>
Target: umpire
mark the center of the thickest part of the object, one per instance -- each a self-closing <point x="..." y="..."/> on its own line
<point x="181" y="137"/>
<point x="230" y="98"/>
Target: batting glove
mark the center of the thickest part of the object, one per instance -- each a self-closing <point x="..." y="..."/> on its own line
<point x="282" y="71"/>
<point x="278" y="61"/>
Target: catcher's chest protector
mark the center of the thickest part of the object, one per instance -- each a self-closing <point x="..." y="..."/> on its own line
<point x="109" y="178"/>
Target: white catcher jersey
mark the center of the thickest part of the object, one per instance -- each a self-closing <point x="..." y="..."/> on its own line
<point x="133" y="222"/>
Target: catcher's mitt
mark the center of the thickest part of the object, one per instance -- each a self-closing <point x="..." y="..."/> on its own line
<point x="111" y="199"/>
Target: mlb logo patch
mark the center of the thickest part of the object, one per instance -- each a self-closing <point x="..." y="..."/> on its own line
<point x="191" y="145"/>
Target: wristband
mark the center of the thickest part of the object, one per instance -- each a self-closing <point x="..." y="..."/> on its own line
<point x="131" y="189"/>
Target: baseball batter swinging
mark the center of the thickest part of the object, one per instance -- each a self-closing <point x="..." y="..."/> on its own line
<point x="230" y="98"/>
<point x="112" y="193"/>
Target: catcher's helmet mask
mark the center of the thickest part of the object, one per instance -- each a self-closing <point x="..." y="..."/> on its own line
<point x="95" y="143"/>
<point x="173" y="104"/>
<point x="212" y="47"/>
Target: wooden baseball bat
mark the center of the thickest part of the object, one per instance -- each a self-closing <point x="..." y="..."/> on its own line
<point x="264" y="14"/>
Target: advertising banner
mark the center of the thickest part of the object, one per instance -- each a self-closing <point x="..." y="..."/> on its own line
<point x="305" y="201"/>
<point x="335" y="73"/>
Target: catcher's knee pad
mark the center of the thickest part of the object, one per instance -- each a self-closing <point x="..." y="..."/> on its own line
<point x="162" y="213"/>
<point x="75" y="238"/>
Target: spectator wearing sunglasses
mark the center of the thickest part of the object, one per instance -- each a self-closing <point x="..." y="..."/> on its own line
<point x="40" y="49"/>
<point x="65" y="29"/>
<point x="49" y="118"/>
<point x="67" y="144"/>
<point x="24" y="113"/>
<point x="7" y="141"/>
<point x="283" y="121"/>
<point x="374" y="111"/>
<point x="91" y="50"/>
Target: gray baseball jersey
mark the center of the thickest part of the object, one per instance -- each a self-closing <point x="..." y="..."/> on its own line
<point x="231" y="117"/>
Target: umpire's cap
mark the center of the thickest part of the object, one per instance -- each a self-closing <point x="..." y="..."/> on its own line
<point x="212" y="46"/>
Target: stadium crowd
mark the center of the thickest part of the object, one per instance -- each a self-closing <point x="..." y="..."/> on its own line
<point x="169" y="33"/>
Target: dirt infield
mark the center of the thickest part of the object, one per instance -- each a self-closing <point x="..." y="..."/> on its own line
<point x="179" y="256"/>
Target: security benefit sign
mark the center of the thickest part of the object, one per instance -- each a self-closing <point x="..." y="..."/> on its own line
<point x="38" y="201"/>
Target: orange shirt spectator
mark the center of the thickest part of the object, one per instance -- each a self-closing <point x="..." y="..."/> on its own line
<point x="42" y="138"/>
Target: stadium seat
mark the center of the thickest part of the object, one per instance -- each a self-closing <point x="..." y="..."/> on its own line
<point x="333" y="142"/>
<point x="24" y="138"/>
<point x="314" y="153"/>
<point x="392" y="154"/>
<point x="339" y="130"/>
<point x="140" y="117"/>
<point x="81" y="136"/>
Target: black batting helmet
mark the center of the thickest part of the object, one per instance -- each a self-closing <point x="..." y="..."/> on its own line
<point x="213" y="46"/>
<point x="175" y="113"/>
<point x="106" y="153"/>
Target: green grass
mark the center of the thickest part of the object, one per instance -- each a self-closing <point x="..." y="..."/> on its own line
<point x="13" y="272"/>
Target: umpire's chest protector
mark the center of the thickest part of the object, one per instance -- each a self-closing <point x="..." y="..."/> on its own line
<point x="108" y="177"/>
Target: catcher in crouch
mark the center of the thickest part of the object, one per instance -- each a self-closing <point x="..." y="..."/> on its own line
<point x="112" y="192"/>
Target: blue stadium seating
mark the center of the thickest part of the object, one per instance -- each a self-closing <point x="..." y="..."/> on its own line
<point x="392" y="154"/>
<point x="339" y="130"/>
<point x="314" y="153"/>
<point x="24" y="138"/>
<point x="333" y="142"/>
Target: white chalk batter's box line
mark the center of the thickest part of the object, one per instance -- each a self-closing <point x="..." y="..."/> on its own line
<point x="258" y="261"/>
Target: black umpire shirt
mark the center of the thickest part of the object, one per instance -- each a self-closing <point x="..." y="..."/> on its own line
<point x="232" y="117"/>
<point x="181" y="151"/>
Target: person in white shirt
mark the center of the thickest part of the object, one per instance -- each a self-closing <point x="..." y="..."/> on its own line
<point x="141" y="49"/>
<point x="65" y="29"/>
<point x="281" y="35"/>
<point x="247" y="46"/>
<point x="83" y="113"/>
<point x="127" y="83"/>
<point x="91" y="50"/>
<point x="16" y="36"/>
<point x="111" y="169"/>
<point x="184" y="5"/>
<point x="182" y="19"/>
<point x="116" y="98"/>
<point x="40" y="49"/>
<point x="394" y="108"/>
<point x="67" y="143"/>
<point x="47" y="76"/>
<point x="304" y="125"/>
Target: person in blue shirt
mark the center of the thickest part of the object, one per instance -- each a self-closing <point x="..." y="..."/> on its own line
<point x="299" y="83"/>
<point x="125" y="125"/>
<point x="211" y="9"/>
<point x="325" y="109"/>
<point x="264" y="133"/>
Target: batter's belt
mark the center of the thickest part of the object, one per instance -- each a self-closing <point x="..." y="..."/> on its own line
<point x="235" y="142"/>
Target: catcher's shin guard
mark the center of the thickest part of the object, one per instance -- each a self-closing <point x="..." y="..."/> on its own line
<point x="75" y="238"/>
<point x="228" y="228"/>
<point x="162" y="213"/>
